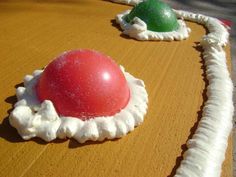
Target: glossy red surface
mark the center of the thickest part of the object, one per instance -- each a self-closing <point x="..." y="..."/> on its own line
<point x="84" y="84"/>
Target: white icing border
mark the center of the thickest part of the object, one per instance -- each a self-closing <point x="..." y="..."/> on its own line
<point x="138" y="29"/>
<point x="206" y="149"/>
<point x="217" y="32"/>
<point x="32" y="119"/>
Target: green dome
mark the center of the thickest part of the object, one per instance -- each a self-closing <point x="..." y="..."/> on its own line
<point x="157" y="15"/>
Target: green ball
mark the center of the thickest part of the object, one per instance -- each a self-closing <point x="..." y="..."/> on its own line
<point x="157" y="15"/>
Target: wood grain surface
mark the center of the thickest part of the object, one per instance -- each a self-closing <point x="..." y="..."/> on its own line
<point x="33" y="32"/>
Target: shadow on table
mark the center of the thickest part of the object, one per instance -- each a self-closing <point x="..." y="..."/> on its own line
<point x="199" y="114"/>
<point x="10" y="134"/>
<point x="7" y="132"/>
<point x="116" y="25"/>
<point x="75" y="144"/>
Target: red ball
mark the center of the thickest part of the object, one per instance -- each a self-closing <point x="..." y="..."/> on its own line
<point x="84" y="84"/>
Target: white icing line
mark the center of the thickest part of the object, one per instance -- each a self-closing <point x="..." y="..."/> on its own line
<point x="129" y="2"/>
<point x="217" y="32"/>
<point x="32" y="119"/>
<point x="138" y="29"/>
<point x="207" y="147"/>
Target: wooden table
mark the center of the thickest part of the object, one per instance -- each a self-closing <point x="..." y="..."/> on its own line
<point x="34" y="32"/>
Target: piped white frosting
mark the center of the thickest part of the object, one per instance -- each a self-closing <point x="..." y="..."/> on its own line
<point x="206" y="149"/>
<point x="137" y="29"/>
<point x="32" y="118"/>
<point x="217" y="32"/>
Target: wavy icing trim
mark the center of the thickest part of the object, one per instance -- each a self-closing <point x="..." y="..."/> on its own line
<point x="32" y="119"/>
<point x="138" y="29"/>
<point x="206" y="149"/>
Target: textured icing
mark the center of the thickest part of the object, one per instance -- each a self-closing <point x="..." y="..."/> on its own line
<point x="138" y="29"/>
<point x="206" y="149"/>
<point x="217" y="32"/>
<point x="32" y="119"/>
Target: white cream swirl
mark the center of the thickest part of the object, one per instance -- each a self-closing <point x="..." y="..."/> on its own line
<point x="32" y="119"/>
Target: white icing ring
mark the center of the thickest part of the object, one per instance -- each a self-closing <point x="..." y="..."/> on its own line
<point x="32" y="119"/>
<point x="138" y="29"/>
<point x="206" y="149"/>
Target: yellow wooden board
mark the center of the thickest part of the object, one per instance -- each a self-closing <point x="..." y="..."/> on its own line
<point x="34" y="32"/>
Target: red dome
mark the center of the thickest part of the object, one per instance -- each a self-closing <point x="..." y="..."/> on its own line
<point x="84" y="84"/>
